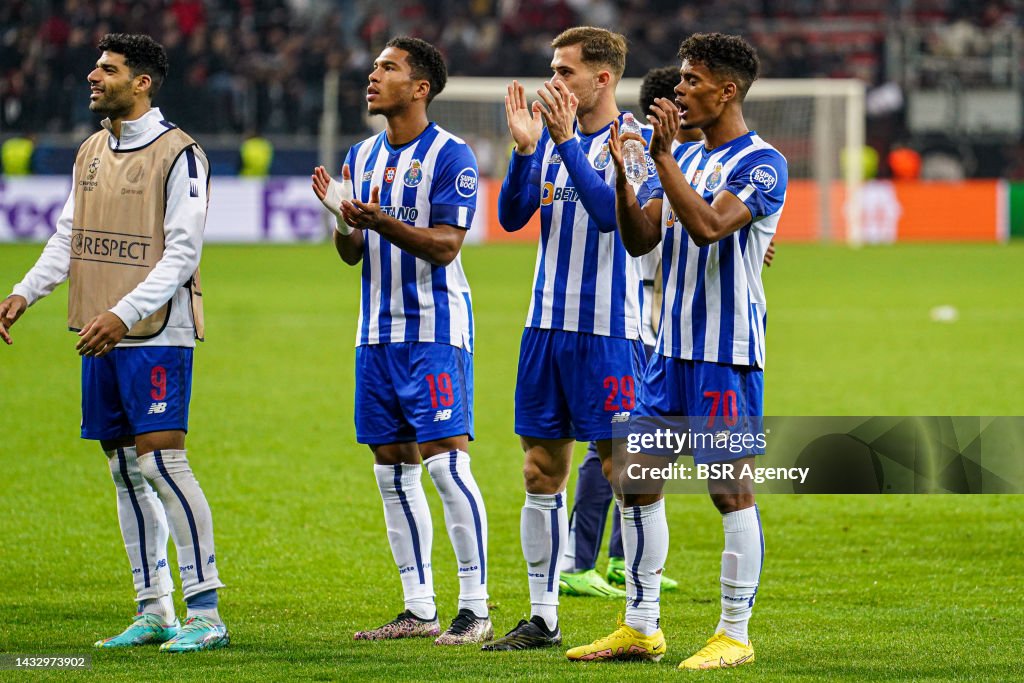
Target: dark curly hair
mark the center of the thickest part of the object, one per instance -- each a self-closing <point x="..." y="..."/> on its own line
<point x="660" y="82"/>
<point x="425" y="62"/>
<point x="142" y="55"/>
<point x="723" y="55"/>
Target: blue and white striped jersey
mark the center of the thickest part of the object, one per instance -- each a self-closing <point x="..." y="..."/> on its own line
<point x="429" y="181"/>
<point x="584" y="281"/>
<point x="714" y="306"/>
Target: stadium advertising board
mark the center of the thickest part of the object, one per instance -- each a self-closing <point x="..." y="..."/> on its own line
<point x="279" y="209"/>
<point x="283" y="209"/>
<point x="973" y="210"/>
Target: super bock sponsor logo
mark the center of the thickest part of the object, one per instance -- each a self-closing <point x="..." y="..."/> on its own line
<point x="466" y="182"/>
<point x="764" y="177"/>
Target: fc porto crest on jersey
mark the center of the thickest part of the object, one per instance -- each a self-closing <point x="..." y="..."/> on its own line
<point x="413" y="176"/>
<point x="715" y="179"/>
<point x="389" y="174"/>
<point x="603" y="158"/>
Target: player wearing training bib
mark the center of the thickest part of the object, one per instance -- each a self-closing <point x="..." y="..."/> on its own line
<point x="403" y="208"/>
<point x="714" y="207"/>
<point x="129" y="238"/>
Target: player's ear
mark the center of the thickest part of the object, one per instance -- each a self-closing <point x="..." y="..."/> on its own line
<point x="143" y="84"/>
<point x="729" y="91"/>
<point x="604" y="78"/>
<point x="422" y="89"/>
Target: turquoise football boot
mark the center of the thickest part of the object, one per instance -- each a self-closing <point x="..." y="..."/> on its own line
<point x="198" y="633"/>
<point x="145" y="629"/>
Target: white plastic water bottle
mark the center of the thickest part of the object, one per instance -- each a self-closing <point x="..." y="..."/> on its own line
<point x="633" y="157"/>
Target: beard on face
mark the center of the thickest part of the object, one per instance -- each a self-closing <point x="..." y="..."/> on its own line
<point x="110" y="104"/>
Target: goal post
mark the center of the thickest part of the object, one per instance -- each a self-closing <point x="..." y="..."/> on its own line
<point x="818" y="124"/>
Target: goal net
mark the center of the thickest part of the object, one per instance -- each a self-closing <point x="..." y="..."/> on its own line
<point x="818" y="124"/>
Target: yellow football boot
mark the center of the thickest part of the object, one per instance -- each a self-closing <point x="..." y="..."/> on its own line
<point x="721" y="652"/>
<point x="624" y="643"/>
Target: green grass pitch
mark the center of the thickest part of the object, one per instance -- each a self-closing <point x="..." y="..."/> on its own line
<point x="855" y="588"/>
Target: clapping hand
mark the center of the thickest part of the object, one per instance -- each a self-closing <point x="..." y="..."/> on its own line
<point x="524" y="122"/>
<point x="560" y="110"/>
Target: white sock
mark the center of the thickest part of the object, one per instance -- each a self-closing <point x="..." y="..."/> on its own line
<point x="466" y="519"/>
<point x="162" y="607"/>
<point x="410" y="533"/>
<point x="144" y="530"/>
<point x="645" y="544"/>
<point x="544" y="531"/>
<point x="741" y="570"/>
<point x="188" y="515"/>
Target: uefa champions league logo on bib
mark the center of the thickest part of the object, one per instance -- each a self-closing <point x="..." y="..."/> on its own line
<point x="414" y="175"/>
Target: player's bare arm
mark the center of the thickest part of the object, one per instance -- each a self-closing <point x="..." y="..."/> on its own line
<point x="638" y="227"/>
<point x="11" y="309"/>
<point x="524" y="121"/>
<point x="559" y="111"/>
<point x="100" y="335"/>
<point x="350" y="246"/>
<point x="439" y="245"/>
<point x="705" y="223"/>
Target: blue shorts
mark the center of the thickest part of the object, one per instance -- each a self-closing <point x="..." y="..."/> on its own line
<point x="575" y="385"/>
<point x="136" y="390"/>
<point x="413" y="391"/>
<point x="716" y="397"/>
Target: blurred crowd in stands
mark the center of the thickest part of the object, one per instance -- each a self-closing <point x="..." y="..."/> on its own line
<point x="239" y="66"/>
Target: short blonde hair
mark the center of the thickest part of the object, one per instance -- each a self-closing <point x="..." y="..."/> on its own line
<point x="598" y="47"/>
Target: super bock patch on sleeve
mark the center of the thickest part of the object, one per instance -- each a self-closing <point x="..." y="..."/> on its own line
<point x="764" y="177"/>
<point x="466" y="182"/>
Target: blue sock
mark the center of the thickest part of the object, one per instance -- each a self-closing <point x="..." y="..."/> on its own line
<point x="207" y="600"/>
<point x="590" y="509"/>
<point x="615" y="542"/>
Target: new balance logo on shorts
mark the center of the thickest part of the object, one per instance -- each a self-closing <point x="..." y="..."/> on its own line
<point x="620" y="417"/>
<point x="157" y="408"/>
<point x="443" y="415"/>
